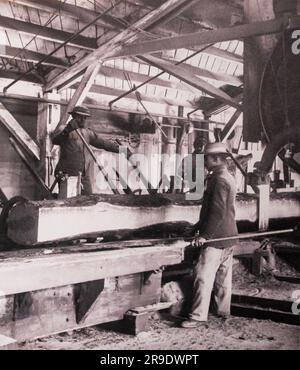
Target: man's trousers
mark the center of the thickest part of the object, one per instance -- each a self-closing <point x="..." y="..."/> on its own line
<point x="213" y="273"/>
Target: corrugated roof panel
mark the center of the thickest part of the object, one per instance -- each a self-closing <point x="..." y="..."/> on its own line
<point x="3" y="38"/>
<point x="232" y="68"/>
<point x="135" y="67"/>
<point x="118" y="84"/>
<point x="240" y="48"/>
<point x="118" y="63"/>
<point x="144" y="69"/>
<point x="153" y="71"/>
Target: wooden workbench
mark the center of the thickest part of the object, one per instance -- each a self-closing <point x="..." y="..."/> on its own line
<point x="42" y="293"/>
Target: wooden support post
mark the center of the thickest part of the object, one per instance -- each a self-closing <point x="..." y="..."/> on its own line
<point x="230" y="126"/>
<point x="41" y="135"/>
<point x="263" y="206"/>
<point x="136" y="322"/>
<point x="81" y="91"/>
<point x="86" y="296"/>
<point x="47" y="118"/>
<point x="257" y="262"/>
<point x="169" y="152"/>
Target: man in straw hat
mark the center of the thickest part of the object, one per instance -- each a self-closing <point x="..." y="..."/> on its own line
<point x="213" y="271"/>
<point x="74" y="157"/>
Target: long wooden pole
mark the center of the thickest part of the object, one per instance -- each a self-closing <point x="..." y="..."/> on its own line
<point x="125" y="186"/>
<point x="171" y="241"/>
<point x="104" y="173"/>
<point x="148" y="185"/>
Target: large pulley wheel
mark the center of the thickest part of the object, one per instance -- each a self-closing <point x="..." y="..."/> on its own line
<point x="279" y="98"/>
<point x="8" y="206"/>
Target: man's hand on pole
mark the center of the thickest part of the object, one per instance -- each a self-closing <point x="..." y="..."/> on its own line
<point x="73" y="124"/>
<point x="198" y="241"/>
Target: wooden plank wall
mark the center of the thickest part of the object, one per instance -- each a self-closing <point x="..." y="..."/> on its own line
<point x="14" y="177"/>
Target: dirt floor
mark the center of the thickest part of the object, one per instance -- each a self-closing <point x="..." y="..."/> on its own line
<point x="234" y="334"/>
<point x="165" y="334"/>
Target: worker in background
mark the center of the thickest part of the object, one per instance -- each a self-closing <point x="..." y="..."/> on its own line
<point x="74" y="157"/>
<point x="187" y="169"/>
<point x="213" y="271"/>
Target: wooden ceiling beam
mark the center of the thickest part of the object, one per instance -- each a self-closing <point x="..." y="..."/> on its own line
<point x="230" y="79"/>
<point x="35" y="57"/>
<point x="30" y="56"/>
<point x="196" y="82"/>
<point x="104" y="90"/>
<point x="47" y="33"/>
<point x="139" y="77"/>
<point x="76" y="12"/>
<point x="12" y="75"/>
<point x="113" y="45"/>
<point x="205" y="37"/>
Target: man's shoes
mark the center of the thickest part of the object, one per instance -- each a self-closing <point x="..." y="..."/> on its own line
<point x="190" y="324"/>
<point x="222" y="315"/>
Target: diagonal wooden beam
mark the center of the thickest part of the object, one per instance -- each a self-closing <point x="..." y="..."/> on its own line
<point x="192" y="80"/>
<point x="173" y="13"/>
<point x="207" y="37"/>
<point x="230" y="79"/>
<point x="13" y="126"/>
<point x="230" y="126"/>
<point x="113" y="45"/>
<point x="81" y="91"/>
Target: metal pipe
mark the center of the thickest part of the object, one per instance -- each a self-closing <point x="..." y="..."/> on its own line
<point x="193" y="111"/>
<point x="60" y="46"/>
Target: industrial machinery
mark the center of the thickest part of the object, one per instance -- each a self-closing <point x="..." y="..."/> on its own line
<point x="53" y="280"/>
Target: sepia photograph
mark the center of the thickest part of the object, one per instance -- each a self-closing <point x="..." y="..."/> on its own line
<point x="150" y="178"/>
